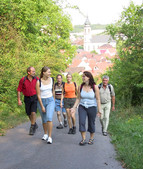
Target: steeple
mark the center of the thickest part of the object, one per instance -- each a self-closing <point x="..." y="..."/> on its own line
<point x="87" y="21"/>
<point x="87" y="35"/>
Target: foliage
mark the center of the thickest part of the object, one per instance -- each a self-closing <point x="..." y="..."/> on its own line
<point x="127" y="134"/>
<point x="77" y="78"/>
<point x="127" y="72"/>
<point x="79" y="28"/>
<point x="33" y="33"/>
<point x="94" y="52"/>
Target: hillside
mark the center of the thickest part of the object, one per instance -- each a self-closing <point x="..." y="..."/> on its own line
<point x="79" y="28"/>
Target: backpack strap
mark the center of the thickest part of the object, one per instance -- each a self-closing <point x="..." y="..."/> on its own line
<point x="109" y="86"/>
<point x="99" y="86"/>
<point x="55" y="85"/>
<point x="64" y="86"/>
<point x="94" y="88"/>
<point x="40" y="82"/>
<point x="82" y="87"/>
<point x="75" y="84"/>
<point x="53" y="82"/>
<point x="24" y="79"/>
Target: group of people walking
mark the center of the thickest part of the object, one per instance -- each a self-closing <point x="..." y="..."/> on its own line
<point x="65" y="97"/>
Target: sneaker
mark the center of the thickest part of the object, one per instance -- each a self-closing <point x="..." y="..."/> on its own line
<point x="65" y="123"/>
<point x="36" y="125"/>
<point x="60" y="126"/>
<point x="32" y="130"/>
<point x="70" y="131"/>
<point x="104" y="133"/>
<point x="49" y="141"/>
<point x="45" y="137"/>
<point x="74" y="130"/>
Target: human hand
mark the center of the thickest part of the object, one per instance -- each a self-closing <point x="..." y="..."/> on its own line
<point x="72" y="111"/>
<point x="19" y="103"/>
<point x="113" y="108"/>
<point x="43" y="109"/>
<point x="99" y="114"/>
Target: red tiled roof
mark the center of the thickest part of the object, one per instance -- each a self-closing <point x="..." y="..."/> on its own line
<point x="105" y="46"/>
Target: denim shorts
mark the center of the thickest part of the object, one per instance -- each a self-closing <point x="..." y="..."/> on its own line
<point x="49" y="104"/>
<point x="58" y="107"/>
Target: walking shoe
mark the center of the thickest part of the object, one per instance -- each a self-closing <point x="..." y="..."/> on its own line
<point x="60" y="126"/>
<point x="49" y="141"/>
<point x="65" y="123"/>
<point x="70" y="131"/>
<point x="36" y="125"/>
<point x="45" y="137"/>
<point x="32" y="130"/>
<point x="74" y="130"/>
<point x="104" y="133"/>
<point x="82" y="143"/>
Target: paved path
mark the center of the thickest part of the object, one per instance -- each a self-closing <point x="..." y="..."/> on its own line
<point x="18" y="150"/>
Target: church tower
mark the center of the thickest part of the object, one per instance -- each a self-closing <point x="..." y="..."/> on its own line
<point x="87" y="35"/>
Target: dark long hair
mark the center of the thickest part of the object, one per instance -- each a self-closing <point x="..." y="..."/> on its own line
<point x="44" y="69"/>
<point x="91" y="79"/>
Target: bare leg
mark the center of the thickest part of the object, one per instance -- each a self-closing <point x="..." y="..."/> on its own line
<point x="50" y="127"/>
<point x="59" y="116"/>
<point x="73" y="119"/>
<point x="64" y="115"/>
<point x="83" y="135"/>
<point x="69" y="118"/>
<point x="32" y="118"/>
<point x="92" y="136"/>
<point x="45" y="127"/>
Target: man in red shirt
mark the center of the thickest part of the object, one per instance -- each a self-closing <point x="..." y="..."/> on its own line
<point x="27" y="85"/>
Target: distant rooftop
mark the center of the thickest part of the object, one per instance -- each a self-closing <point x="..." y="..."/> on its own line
<point x="101" y="39"/>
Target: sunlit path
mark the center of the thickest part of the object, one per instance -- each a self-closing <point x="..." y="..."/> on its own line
<point x="21" y="151"/>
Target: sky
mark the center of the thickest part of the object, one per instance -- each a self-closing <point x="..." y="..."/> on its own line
<point x="99" y="11"/>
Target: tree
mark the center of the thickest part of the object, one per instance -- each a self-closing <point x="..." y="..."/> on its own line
<point x="33" y="33"/>
<point x="127" y="72"/>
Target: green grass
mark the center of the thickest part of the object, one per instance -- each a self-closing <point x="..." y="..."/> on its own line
<point x="126" y="129"/>
<point x="10" y="119"/>
<point x="11" y="114"/>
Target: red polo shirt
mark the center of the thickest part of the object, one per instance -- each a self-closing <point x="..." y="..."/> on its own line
<point x="28" y="88"/>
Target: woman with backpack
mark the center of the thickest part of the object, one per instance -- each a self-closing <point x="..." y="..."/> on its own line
<point x="69" y="96"/>
<point x="46" y="102"/>
<point x="89" y="101"/>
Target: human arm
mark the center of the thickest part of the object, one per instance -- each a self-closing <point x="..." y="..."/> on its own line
<point x="19" y="90"/>
<point x="62" y="97"/>
<point x="76" y="90"/>
<point x="97" y="95"/>
<point x="77" y="101"/>
<point x="113" y="103"/>
<point x="113" y="98"/>
<point x="39" y="97"/>
<point x="18" y="98"/>
<point x="53" y="91"/>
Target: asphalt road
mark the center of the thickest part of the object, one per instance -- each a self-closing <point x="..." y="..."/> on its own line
<point x="18" y="150"/>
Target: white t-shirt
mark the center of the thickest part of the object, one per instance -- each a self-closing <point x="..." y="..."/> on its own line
<point x="46" y="90"/>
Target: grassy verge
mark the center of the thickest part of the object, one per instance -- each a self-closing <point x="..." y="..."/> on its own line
<point x="126" y="129"/>
<point x="10" y="119"/>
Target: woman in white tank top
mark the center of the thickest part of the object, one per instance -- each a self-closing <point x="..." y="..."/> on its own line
<point x="46" y="103"/>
